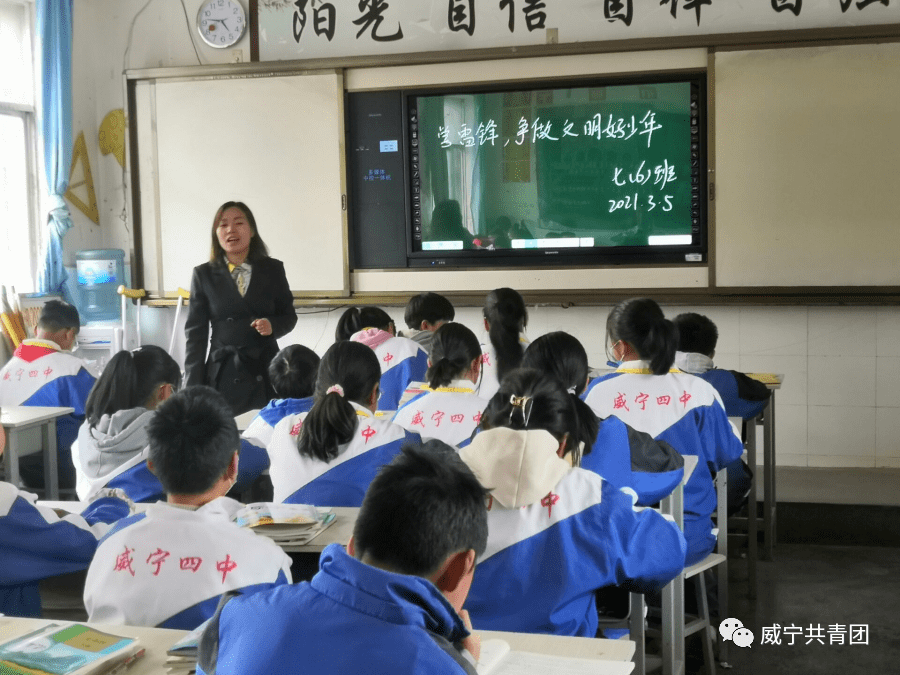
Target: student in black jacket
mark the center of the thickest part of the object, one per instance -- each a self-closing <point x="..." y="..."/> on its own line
<point x="243" y="294"/>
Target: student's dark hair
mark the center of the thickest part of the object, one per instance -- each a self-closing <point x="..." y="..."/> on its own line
<point x="640" y="323"/>
<point x="429" y="307"/>
<point x="562" y="356"/>
<point x="422" y="507"/>
<point x="453" y="349"/>
<point x="57" y="315"/>
<point x="129" y="380"/>
<point x="505" y="311"/>
<point x="546" y="405"/>
<point x="192" y="438"/>
<point x="356" y="319"/>
<point x="258" y="248"/>
<point x="293" y="371"/>
<point x="354" y="368"/>
<point x="696" y="333"/>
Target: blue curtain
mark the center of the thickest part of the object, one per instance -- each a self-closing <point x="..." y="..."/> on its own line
<point x="54" y="28"/>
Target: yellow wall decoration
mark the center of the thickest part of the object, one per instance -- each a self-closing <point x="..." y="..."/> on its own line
<point x="112" y="135"/>
<point x="80" y="158"/>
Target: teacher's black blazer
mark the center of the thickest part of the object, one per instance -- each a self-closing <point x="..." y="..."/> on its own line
<point x="219" y="318"/>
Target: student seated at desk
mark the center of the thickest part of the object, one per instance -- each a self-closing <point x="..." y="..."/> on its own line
<point x="742" y="396"/>
<point x="293" y="377"/>
<point x="625" y="457"/>
<point x="425" y="313"/>
<point x="686" y="412"/>
<point x="505" y="318"/>
<point x="329" y="455"/>
<point x="44" y="372"/>
<point x="168" y="566"/>
<point x="401" y="360"/>
<point x="111" y="450"/>
<point x="391" y="603"/>
<point x="448" y="409"/>
<point x="37" y="543"/>
<point x="556" y="533"/>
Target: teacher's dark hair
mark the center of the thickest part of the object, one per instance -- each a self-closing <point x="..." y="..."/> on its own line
<point x="422" y="507"/>
<point x="546" y="406"/>
<point x="192" y="438"/>
<point x="453" y="349"/>
<point x="258" y="248"/>
<point x="641" y="323"/>
<point x="332" y="420"/>
<point x="356" y="319"/>
<point x="506" y="315"/>
<point x="562" y="356"/>
<point x="129" y="380"/>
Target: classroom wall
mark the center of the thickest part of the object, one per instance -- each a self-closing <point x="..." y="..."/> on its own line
<point x="841" y="397"/>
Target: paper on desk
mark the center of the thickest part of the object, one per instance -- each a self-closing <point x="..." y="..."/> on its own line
<point x="285" y="524"/>
<point x="497" y="659"/>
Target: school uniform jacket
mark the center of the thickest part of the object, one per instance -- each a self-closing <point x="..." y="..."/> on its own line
<point x="351" y="619"/>
<point x="344" y="480"/>
<point x="632" y="459"/>
<point x="42" y="374"/>
<point x="258" y="435"/>
<point x="742" y="396"/>
<point x="687" y="413"/>
<point x="449" y="414"/>
<point x="238" y="355"/>
<point x="168" y="566"/>
<point x="555" y="535"/>
<point x="402" y="361"/>
<point x="36" y="543"/>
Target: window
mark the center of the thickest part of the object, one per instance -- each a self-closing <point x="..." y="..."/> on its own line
<point x="19" y="237"/>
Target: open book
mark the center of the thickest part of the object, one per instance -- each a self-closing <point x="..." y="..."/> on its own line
<point x="59" y="649"/>
<point x="294" y="524"/>
<point x="498" y="659"/>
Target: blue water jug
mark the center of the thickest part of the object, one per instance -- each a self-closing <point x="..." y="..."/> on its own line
<point x="99" y="273"/>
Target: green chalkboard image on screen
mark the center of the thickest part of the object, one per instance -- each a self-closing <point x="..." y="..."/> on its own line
<point x="588" y="174"/>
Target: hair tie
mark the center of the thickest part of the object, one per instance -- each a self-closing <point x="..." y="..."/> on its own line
<point x="571" y="390"/>
<point x="335" y="388"/>
<point x="526" y="403"/>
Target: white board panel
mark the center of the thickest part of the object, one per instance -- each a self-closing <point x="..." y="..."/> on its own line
<point x="807" y="186"/>
<point x="274" y="143"/>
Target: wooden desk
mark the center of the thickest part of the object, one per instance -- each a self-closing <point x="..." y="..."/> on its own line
<point x="243" y="420"/>
<point x="18" y="419"/>
<point x="158" y="640"/>
<point x="155" y="640"/>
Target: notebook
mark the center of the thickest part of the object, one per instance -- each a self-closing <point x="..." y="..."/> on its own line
<point x="498" y="659"/>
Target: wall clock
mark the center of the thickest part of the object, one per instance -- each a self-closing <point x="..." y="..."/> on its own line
<point x="221" y="22"/>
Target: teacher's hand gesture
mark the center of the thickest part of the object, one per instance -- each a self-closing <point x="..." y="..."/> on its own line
<point x="262" y="326"/>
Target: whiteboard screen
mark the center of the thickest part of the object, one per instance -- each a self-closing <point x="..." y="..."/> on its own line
<point x="274" y="143"/>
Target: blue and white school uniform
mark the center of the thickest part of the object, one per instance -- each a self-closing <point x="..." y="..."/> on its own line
<point x="449" y="414"/>
<point x="402" y="361"/>
<point x="35" y="543"/>
<point x="687" y="413"/>
<point x="489" y="384"/>
<point x="168" y="566"/>
<point x="40" y="373"/>
<point x="258" y="435"/>
<point x="632" y="459"/>
<point x="552" y="543"/>
<point x="343" y="481"/>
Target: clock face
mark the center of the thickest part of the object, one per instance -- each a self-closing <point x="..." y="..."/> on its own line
<point x="221" y="22"/>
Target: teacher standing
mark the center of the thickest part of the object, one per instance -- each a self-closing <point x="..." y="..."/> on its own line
<point x="244" y="295"/>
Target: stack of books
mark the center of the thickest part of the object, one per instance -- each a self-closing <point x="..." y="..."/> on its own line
<point x="68" y="649"/>
<point x="181" y="658"/>
<point x="285" y="524"/>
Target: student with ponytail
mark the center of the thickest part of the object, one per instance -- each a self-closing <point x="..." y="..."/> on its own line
<point x="505" y="318"/>
<point x="556" y="532"/>
<point x="401" y="360"/>
<point x="651" y="396"/>
<point x="448" y="409"/>
<point x="111" y="449"/>
<point x="329" y="455"/>
<point x="625" y="457"/>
